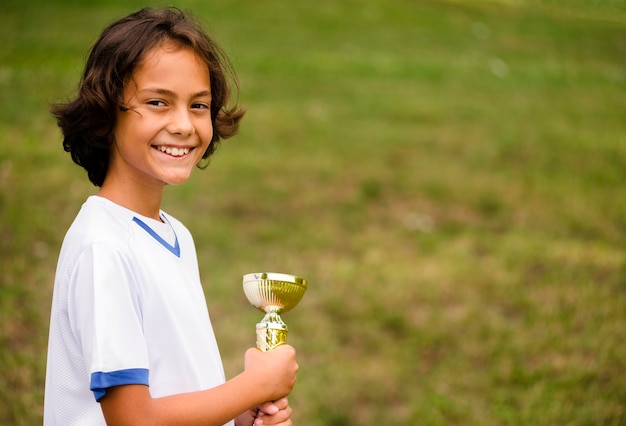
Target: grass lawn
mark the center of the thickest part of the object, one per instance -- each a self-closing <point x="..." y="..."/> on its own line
<point x="448" y="175"/>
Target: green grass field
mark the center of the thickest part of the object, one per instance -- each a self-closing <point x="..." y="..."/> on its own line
<point x="449" y="175"/>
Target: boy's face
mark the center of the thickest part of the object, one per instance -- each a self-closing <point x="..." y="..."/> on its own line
<point x="167" y="128"/>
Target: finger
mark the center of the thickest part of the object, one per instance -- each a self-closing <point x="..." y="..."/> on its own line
<point x="272" y="407"/>
<point x="281" y="403"/>
<point x="268" y="408"/>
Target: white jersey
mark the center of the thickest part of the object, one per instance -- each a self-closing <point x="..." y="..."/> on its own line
<point x="128" y="308"/>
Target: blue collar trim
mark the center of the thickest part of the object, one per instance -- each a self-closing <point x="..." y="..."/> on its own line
<point x="175" y="249"/>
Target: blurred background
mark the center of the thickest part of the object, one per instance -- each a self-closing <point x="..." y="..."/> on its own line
<point x="448" y="175"/>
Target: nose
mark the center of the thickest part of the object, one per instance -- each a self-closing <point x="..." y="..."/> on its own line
<point x="180" y="123"/>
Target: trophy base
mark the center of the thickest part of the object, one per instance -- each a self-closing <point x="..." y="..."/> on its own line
<point x="271" y="332"/>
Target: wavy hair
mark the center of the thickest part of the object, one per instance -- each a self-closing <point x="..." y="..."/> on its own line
<point x="88" y="120"/>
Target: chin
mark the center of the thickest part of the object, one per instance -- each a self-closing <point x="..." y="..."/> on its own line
<point x="176" y="180"/>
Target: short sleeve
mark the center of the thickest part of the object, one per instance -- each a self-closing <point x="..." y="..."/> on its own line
<point x="105" y="318"/>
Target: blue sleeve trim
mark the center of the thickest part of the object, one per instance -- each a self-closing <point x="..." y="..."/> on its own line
<point x="101" y="381"/>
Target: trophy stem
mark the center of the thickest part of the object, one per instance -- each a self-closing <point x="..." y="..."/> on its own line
<point x="271" y="332"/>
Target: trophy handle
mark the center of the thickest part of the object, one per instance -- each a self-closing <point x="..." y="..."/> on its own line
<point x="271" y="332"/>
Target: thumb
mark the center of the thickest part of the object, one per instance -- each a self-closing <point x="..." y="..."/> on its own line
<point x="268" y="408"/>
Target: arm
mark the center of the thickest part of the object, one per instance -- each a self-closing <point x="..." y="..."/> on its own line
<point x="268" y="376"/>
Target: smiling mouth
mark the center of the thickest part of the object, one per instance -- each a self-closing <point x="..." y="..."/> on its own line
<point x="173" y="151"/>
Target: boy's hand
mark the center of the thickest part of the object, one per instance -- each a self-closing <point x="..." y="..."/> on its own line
<point x="277" y="413"/>
<point x="275" y="370"/>
<point x="274" y="413"/>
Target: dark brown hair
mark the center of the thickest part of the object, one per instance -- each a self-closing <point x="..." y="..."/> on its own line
<point x="87" y="122"/>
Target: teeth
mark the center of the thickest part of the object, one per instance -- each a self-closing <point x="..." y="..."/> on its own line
<point x="173" y="151"/>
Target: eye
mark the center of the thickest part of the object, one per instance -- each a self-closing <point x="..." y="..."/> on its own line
<point x="156" y="102"/>
<point x="200" y="105"/>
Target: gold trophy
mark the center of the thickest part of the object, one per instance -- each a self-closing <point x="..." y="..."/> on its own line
<point x="273" y="294"/>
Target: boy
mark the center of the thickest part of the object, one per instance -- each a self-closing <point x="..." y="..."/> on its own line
<point x="131" y="341"/>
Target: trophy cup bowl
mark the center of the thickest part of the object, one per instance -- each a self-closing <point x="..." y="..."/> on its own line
<point x="274" y="294"/>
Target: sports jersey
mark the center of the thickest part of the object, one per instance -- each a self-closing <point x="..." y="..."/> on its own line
<point x="128" y="308"/>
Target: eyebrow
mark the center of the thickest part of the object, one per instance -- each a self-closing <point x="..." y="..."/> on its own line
<point x="170" y="93"/>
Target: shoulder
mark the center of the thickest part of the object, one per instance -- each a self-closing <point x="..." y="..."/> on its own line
<point x="100" y="221"/>
<point x="95" y="245"/>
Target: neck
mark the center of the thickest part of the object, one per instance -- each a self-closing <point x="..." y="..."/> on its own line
<point x="135" y="196"/>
